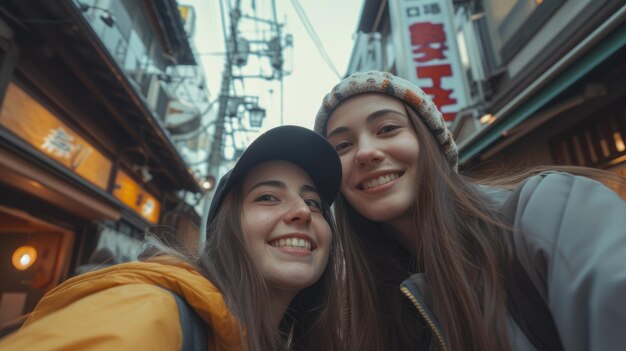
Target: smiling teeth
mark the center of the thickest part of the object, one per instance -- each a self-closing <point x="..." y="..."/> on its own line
<point x="292" y="242"/>
<point x="379" y="181"/>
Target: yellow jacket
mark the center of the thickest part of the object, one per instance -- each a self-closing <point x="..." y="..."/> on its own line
<point x="125" y="307"/>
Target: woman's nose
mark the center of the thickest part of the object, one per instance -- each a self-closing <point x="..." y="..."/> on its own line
<point x="368" y="153"/>
<point x="299" y="212"/>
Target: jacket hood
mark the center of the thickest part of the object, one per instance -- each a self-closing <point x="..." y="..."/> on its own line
<point x="176" y="276"/>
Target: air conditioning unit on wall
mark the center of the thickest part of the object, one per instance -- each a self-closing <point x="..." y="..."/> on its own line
<point x="181" y="117"/>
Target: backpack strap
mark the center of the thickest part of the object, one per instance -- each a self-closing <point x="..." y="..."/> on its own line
<point x="525" y="304"/>
<point x="194" y="328"/>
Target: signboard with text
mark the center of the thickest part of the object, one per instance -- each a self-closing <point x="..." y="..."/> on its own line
<point x="427" y="53"/>
<point x="132" y="194"/>
<point x="34" y="123"/>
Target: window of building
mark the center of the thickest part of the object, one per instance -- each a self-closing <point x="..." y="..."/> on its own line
<point x="512" y="23"/>
<point x="598" y="142"/>
<point x="130" y="39"/>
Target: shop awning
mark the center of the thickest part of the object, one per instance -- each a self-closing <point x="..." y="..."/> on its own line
<point x="565" y="73"/>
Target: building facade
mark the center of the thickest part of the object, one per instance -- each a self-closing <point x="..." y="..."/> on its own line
<point x="543" y="79"/>
<point x="93" y="95"/>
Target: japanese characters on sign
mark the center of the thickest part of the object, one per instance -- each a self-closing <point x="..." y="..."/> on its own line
<point x="62" y="144"/>
<point x="431" y="57"/>
<point x="132" y="194"/>
<point x="34" y="123"/>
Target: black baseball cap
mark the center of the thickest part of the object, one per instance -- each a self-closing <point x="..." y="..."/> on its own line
<point x="300" y="146"/>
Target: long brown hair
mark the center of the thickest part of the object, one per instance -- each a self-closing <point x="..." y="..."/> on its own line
<point x="463" y="247"/>
<point x="312" y="320"/>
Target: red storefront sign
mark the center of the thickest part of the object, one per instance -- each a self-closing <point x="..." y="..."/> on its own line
<point x="429" y="53"/>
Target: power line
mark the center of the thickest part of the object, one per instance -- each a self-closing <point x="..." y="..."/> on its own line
<point x="313" y="35"/>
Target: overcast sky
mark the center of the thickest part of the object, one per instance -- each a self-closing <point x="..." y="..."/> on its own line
<point x="334" y="21"/>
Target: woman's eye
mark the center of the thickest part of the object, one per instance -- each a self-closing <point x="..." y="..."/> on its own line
<point x="387" y="129"/>
<point x="313" y="204"/>
<point x="266" y="198"/>
<point x="342" y="146"/>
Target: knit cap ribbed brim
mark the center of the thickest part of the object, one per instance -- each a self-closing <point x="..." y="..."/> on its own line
<point x="387" y="83"/>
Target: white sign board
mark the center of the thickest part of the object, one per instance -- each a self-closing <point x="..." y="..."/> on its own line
<point x="427" y="52"/>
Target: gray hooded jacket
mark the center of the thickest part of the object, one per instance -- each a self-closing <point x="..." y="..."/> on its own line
<point x="570" y="236"/>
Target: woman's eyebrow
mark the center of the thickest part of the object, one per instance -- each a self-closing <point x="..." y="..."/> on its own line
<point x="371" y="117"/>
<point x="336" y="131"/>
<point x="309" y="189"/>
<point x="377" y="114"/>
<point x="272" y="183"/>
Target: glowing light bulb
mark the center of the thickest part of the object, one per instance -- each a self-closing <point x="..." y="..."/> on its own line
<point x="24" y="257"/>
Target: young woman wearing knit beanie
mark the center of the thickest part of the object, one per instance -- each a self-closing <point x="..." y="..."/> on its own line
<point x="438" y="261"/>
<point x="265" y="280"/>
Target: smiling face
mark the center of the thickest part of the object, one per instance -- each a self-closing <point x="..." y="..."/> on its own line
<point x="379" y="151"/>
<point x="286" y="234"/>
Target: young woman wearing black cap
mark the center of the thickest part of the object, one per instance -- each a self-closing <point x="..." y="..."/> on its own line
<point x="265" y="280"/>
<point x="438" y="261"/>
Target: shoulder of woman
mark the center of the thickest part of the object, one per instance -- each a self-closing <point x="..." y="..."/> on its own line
<point x="570" y="236"/>
<point x="557" y="209"/>
<point x="563" y="188"/>
<point x="134" y="316"/>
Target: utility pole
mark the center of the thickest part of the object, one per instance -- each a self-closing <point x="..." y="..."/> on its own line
<point x="215" y="156"/>
<point x="238" y="48"/>
<point x="230" y="42"/>
<point x="280" y="71"/>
